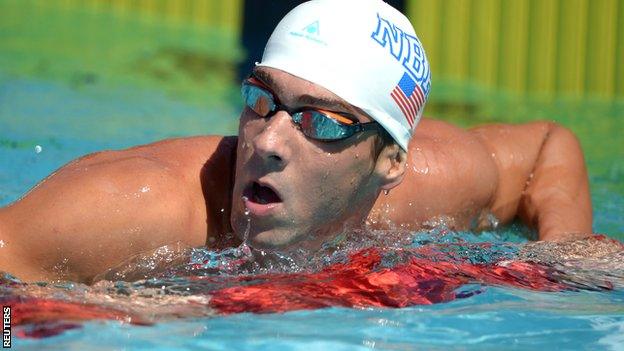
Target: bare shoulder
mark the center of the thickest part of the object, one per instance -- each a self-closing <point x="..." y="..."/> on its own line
<point x="193" y="172"/>
<point x="466" y="173"/>
<point x="448" y="151"/>
<point x="179" y="160"/>
<point x="449" y="174"/>
<point x="107" y="206"/>
<point x="186" y="149"/>
<point x="175" y="154"/>
<point x="446" y="139"/>
<point x="431" y="128"/>
<point x="202" y="168"/>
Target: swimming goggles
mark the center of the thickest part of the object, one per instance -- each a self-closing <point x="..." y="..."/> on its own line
<point x="314" y="123"/>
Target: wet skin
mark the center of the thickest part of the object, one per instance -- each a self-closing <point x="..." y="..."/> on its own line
<point x="103" y="208"/>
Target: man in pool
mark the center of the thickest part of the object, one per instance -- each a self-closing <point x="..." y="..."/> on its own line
<point x="327" y="142"/>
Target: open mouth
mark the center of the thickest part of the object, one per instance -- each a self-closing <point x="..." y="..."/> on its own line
<point x="261" y="194"/>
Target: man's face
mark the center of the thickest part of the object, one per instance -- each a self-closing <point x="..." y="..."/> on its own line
<point x="290" y="188"/>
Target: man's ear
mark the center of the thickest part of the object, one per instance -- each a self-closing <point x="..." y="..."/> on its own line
<point x="390" y="166"/>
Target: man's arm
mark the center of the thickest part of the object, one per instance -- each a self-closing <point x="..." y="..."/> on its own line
<point x="457" y="177"/>
<point x="542" y="177"/>
<point x="103" y="208"/>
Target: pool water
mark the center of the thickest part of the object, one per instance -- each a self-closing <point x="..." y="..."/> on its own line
<point x="455" y="290"/>
<point x="67" y="92"/>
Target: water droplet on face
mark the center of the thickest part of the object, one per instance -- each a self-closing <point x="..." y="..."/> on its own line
<point x="145" y="189"/>
<point x="424" y="170"/>
<point x="420" y="163"/>
<point x="386" y="192"/>
<point x="38" y="149"/>
<point x="493" y="221"/>
<point x="246" y="233"/>
<point x="1" y="243"/>
<point x="245" y="199"/>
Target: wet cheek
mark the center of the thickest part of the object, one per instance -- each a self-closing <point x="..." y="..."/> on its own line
<point x="328" y="189"/>
<point x="249" y="124"/>
<point x="308" y="192"/>
<point x="244" y="130"/>
<point x="246" y="133"/>
<point x="350" y="180"/>
<point x="328" y="183"/>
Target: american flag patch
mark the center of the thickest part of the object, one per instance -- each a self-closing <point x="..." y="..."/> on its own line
<point x="409" y="97"/>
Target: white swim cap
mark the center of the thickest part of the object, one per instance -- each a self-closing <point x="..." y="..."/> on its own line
<point x="364" y="51"/>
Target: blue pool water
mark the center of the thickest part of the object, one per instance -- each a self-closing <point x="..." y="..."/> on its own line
<point x="490" y="317"/>
<point x="497" y="319"/>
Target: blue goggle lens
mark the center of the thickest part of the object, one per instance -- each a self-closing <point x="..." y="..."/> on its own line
<point x="258" y="99"/>
<point x="318" y="125"/>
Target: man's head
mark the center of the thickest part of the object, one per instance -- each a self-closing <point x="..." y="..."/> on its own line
<point x="351" y="57"/>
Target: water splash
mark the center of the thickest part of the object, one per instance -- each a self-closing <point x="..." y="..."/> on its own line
<point x="247" y="212"/>
<point x="176" y="280"/>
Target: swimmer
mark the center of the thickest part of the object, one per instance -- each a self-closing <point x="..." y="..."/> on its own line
<point x="330" y="139"/>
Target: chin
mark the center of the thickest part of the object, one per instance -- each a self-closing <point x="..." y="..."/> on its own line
<point x="271" y="239"/>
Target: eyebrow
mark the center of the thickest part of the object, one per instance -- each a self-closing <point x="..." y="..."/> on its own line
<point x="265" y="78"/>
<point x="329" y="104"/>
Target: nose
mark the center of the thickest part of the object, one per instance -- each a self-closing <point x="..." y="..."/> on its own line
<point x="273" y="143"/>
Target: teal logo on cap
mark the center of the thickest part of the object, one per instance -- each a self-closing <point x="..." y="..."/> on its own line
<point x="312" y="28"/>
<point x="311" y="32"/>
